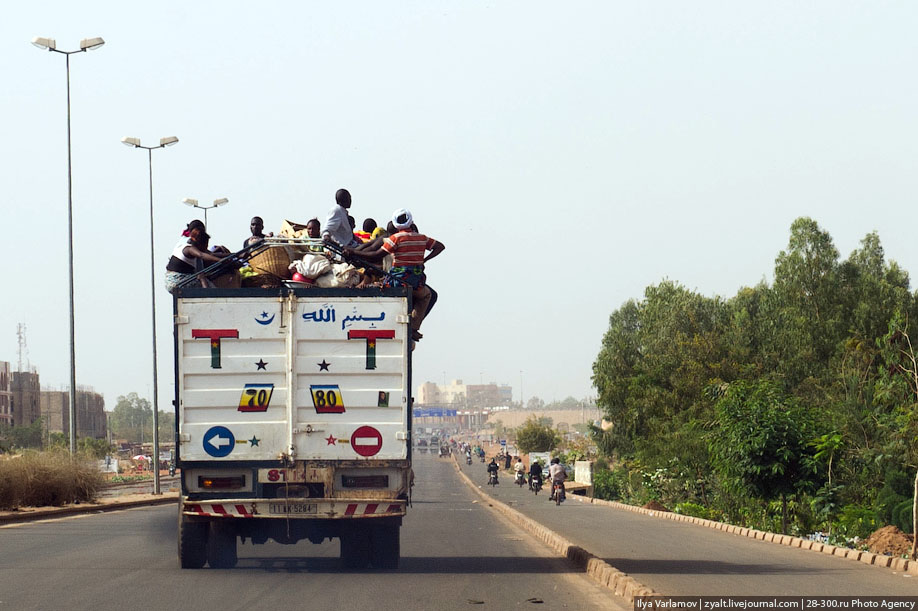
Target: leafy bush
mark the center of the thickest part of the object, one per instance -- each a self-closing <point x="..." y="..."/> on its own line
<point x="698" y="511"/>
<point x="37" y="479"/>
<point x="896" y="489"/>
<point x="902" y="516"/>
<point x="856" y="521"/>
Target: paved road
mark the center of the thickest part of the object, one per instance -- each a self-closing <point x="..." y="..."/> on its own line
<point x="680" y="559"/>
<point x="456" y="554"/>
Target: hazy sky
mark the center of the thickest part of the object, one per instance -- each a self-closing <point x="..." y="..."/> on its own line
<point x="568" y="155"/>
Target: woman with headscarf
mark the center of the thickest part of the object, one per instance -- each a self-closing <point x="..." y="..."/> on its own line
<point x="190" y="249"/>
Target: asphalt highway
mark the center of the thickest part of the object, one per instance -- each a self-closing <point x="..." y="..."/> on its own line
<point x="456" y="554"/>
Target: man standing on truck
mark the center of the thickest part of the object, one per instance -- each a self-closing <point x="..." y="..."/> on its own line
<point x="337" y="228"/>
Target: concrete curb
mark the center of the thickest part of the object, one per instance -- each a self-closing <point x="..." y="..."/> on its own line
<point x="606" y="575"/>
<point x="900" y="565"/>
<point x="29" y="515"/>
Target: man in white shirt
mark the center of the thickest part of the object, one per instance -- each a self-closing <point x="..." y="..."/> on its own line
<point x="337" y="227"/>
<point x="557" y="475"/>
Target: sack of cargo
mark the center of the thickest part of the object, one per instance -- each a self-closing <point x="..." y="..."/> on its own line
<point x="341" y="275"/>
<point x="311" y="266"/>
<point x="274" y="261"/>
<point x="291" y="229"/>
<point x="231" y="280"/>
<point x="262" y="281"/>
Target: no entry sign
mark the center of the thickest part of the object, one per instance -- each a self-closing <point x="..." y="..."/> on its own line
<point x="366" y="441"/>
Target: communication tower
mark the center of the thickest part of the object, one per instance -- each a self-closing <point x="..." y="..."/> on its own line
<point x="23" y="347"/>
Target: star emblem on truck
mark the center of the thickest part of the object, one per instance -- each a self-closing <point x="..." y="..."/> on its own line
<point x="331" y="440"/>
<point x="323" y="366"/>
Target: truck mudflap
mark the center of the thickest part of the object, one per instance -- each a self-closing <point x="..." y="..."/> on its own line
<point x="300" y="508"/>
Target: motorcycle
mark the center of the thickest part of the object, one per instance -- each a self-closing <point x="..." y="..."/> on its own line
<point x="468" y="459"/>
<point x="492" y="479"/>
<point x="520" y="479"/>
<point x="536" y="485"/>
<point x="557" y="493"/>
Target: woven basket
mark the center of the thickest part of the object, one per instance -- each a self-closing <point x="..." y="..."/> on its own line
<point x="274" y="261"/>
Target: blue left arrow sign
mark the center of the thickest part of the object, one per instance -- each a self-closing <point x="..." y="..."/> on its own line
<point x="219" y="441"/>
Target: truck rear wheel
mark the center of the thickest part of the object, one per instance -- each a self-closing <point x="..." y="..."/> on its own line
<point x="355" y="548"/>
<point x="192" y="542"/>
<point x="221" y="546"/>
<point x="385" y="546"/>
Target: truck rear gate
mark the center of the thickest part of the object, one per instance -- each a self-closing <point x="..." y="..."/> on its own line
<point x="292" y="406"/>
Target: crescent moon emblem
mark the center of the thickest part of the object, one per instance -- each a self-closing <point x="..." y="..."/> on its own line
<point x="266" y="322"/>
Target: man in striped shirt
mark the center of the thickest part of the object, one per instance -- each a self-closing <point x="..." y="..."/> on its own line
<point x="408" y="248"/>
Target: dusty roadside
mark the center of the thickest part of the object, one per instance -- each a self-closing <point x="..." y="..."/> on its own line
<point x="126" y="501"/>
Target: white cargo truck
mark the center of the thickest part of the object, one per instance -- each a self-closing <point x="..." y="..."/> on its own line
<point x="293" y="420"/>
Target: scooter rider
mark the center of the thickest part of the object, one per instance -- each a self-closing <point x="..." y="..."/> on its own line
<point x="556" y="475"/>
<point x="535" y="473"/>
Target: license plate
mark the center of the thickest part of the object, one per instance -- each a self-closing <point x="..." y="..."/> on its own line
<point x="288" y="508"/>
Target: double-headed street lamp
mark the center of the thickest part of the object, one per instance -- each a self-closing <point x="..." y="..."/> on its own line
<point x="87" y="44"/>
<point x="217" y="203"/>
<point x="163" y="143"/>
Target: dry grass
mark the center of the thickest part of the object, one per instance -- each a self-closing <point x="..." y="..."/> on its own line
<point x="37" y="479"/>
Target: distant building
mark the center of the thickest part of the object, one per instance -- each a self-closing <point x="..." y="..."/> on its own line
<point x="90" y="412"/>
<point x="465" y="395"/>
<point x="26" y="397"/>
<point x="6" y="394"/>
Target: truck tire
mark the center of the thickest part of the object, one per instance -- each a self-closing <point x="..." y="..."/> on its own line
<point x="192" y="542"/>
<point x="385" y="546"/>
<point x="355" y="548"/>
<point x="221" y="546"/>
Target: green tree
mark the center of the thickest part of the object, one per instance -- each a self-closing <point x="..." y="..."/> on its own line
<point x="20" y="437"/>
<point x="535" y="437"/>
<point x="759" y="446"/>
<point x="132" y="419"/>
<point x="94" y="448"/>
<point x="902" y="359"/>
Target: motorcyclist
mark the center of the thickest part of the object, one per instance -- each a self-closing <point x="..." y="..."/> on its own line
<point x="492" y="470"/>
<point x="519" y="468"/>
<point x="468" y="456"/>
<point x="535" y="473"/>
<point x="557" y="475"/>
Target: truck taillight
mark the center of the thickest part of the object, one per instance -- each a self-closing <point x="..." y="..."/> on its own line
<point x="365" y="481"/>
<point x="221" y="483"/>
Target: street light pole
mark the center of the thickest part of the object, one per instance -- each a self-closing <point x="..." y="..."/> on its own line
<point x="194" y="203"/>
<point x="163" y="143"/>
<point x="87" y="44"/>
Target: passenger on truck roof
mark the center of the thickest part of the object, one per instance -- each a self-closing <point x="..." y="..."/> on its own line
<point x="364" y="234"/>
<point x="257" y="227"/>
<point x="313" y="228"/>
<point x="337" y="227"/>
<point x="191" y="249"/>
<point x="408" y="249"/>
